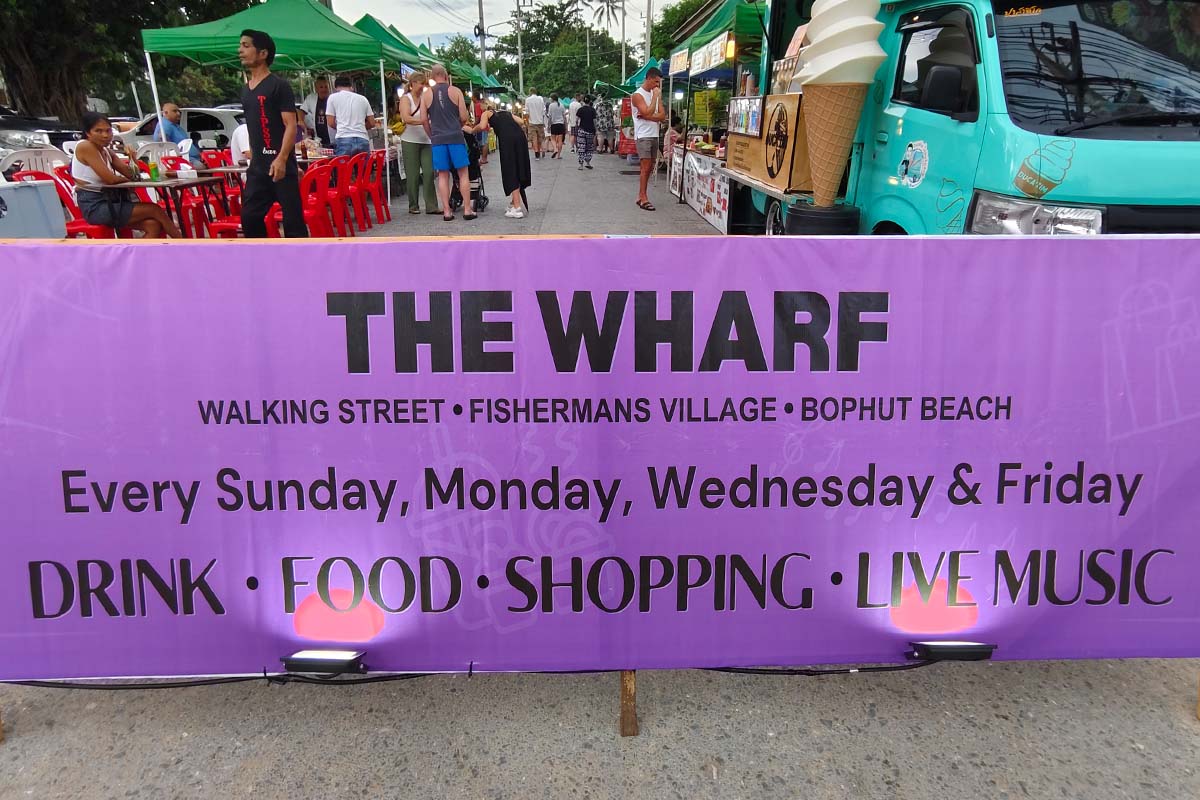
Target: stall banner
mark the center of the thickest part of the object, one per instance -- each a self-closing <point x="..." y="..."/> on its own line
<point x="706" y="189"/>
<point x="640" y="453"/>
<point x="675" y="173"/>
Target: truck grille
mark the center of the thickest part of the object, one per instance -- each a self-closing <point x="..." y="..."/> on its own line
<point x="58" y="137"/>
<point x="1152" y="219"/>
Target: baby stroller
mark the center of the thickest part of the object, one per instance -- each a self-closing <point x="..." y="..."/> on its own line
<point x="478" y="197"/>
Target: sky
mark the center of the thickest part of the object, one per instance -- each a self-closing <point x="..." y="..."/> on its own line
<point x="441" y="19"/>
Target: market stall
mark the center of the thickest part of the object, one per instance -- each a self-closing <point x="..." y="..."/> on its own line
<point x="708" y="69"/>
<point x="308" y="37"/>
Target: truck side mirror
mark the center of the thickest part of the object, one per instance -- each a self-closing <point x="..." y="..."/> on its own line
<point x="943" y="89"/>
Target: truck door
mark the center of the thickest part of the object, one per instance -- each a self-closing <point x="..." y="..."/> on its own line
<point x="920" y="159"/>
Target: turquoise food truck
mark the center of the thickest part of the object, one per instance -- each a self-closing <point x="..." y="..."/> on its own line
<point x="993" y="117"/>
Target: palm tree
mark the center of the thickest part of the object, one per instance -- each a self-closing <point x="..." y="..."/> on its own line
<point x="606" y="12"/>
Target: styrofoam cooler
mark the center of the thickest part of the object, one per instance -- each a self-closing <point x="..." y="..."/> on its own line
<point x="31" y="210"/>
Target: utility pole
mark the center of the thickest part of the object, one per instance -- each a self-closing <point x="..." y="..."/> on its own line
<point x="483" y="40"/>
<point x="649" y="21"/>
<point x="623" y="42"/>
<point x="520" y="53"/>
<point x="589" y="54"/>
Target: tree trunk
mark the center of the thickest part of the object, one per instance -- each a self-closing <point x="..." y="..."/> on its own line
<point x="43" y="91"/>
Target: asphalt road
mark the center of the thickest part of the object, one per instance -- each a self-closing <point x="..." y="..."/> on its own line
<point x="1089" y="729"/>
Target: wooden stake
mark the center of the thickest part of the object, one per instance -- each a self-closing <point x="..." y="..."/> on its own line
<point x="629" y="723"/>
<point x="1197" y="717"/>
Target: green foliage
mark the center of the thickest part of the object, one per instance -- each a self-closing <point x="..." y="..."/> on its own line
<point x="52" y="52"/>
<point x="556" y="42"/>
<point x="462" y="50"/>
<point x="662" y="40"/>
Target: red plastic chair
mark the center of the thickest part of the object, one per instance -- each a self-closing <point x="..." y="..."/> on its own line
<point x="314" y="194"/>
<point x="372" y="187"/>
<point x="215" y="158"/>
<point x="360" y="173"/>
<point x="76" y="225"/>
<point x="175" y="162"/>
<point x="339" y="194"/>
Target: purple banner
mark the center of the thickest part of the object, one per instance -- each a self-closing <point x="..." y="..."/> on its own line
<point x="591" y="454"/>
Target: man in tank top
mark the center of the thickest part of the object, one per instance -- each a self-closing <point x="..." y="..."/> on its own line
<point x="445" y="114"/>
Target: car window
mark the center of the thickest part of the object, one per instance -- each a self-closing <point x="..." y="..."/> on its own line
<point x="198" y="121"/>
<point x="950" y="42"/>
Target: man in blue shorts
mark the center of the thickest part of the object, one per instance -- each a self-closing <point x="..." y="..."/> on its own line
<point x="445" y="116"/>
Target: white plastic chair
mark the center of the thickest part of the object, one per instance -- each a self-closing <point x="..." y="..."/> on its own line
<point x="156" y="150"/>
<point x="43" y="159"/>
<point x="68" y="147"/>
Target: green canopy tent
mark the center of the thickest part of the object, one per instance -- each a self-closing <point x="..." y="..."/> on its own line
<point x="308" y="36"/>
<point x="424" y="58"/>
<point x="745" y="20"/>
<point x="386" y="36"/>
<point x="639" y="77"/>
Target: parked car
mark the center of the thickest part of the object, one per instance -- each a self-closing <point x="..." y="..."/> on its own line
<point x="18" y="131"/>
<point x="214" y="124"/>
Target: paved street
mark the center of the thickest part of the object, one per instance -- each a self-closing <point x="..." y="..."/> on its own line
<point x="563" y="200"/>
<point x="1084" y="729"/>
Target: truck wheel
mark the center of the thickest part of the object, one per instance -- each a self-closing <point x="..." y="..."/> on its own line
<point x="774" y="225"/>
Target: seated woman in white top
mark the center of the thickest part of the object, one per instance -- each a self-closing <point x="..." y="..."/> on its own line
<point x="94" y="166"/>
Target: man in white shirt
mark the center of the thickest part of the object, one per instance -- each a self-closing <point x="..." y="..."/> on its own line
<point x="535" y="115"/>
<point x="239" y="145"/>
<point x="314" y="111"/>
<point x="648" y="112"/>
<point x="349" y="115"/>
<point x="573" y="117"/>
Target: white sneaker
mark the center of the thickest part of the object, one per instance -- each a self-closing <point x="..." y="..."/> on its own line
<point x="514" y="213"/>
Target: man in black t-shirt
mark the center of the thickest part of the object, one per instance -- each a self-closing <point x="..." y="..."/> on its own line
<point x="270" y="109"/>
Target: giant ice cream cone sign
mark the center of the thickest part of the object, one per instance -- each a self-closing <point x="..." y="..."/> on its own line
<point x="839" y="66"/>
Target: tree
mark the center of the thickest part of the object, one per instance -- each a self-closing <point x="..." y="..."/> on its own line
<point x="460" y="49"/>
<point x="662" y="38"/>
<point x="51" y="52"/>
<point x="555" y="41"/>
<point x="607" y="12"/>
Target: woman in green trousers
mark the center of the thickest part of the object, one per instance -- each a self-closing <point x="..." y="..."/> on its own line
<point x="416" y="149"/>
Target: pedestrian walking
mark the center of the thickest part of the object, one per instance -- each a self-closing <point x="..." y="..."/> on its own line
<point x="416" y="149"/>
<point x="558" y="125"/>
<point x="481" y="138"/>
<point x="573" y="119"/>
<point x="270" y="109"/>
<point x="535" y="115"/>
<point x="348" y="113"/>
<point x="445" y="111"/>
<point x="585" y="133"/>
<point x="515" y="173"/>
<point x="648" y="112"/>
<point x="605" y="125"/>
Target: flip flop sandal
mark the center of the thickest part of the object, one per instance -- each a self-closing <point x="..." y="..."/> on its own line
<point x="647" y="206"/>
<point x="414" y="211"/>
<point x="469" y="217"/>
<point x="448" y="219"/>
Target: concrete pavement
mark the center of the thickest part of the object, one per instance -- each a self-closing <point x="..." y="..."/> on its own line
<point x="1079" y="730"/>
<point x="563" y="200"/>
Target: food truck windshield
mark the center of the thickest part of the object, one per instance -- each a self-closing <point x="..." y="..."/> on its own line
<point x="1104" y="70"/>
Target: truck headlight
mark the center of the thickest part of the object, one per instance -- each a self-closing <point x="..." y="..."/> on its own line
<point x="11" y="140"/>
<point x="997" y="214"/>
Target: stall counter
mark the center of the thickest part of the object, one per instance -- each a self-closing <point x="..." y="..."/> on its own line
<point x="704" y="187"/>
